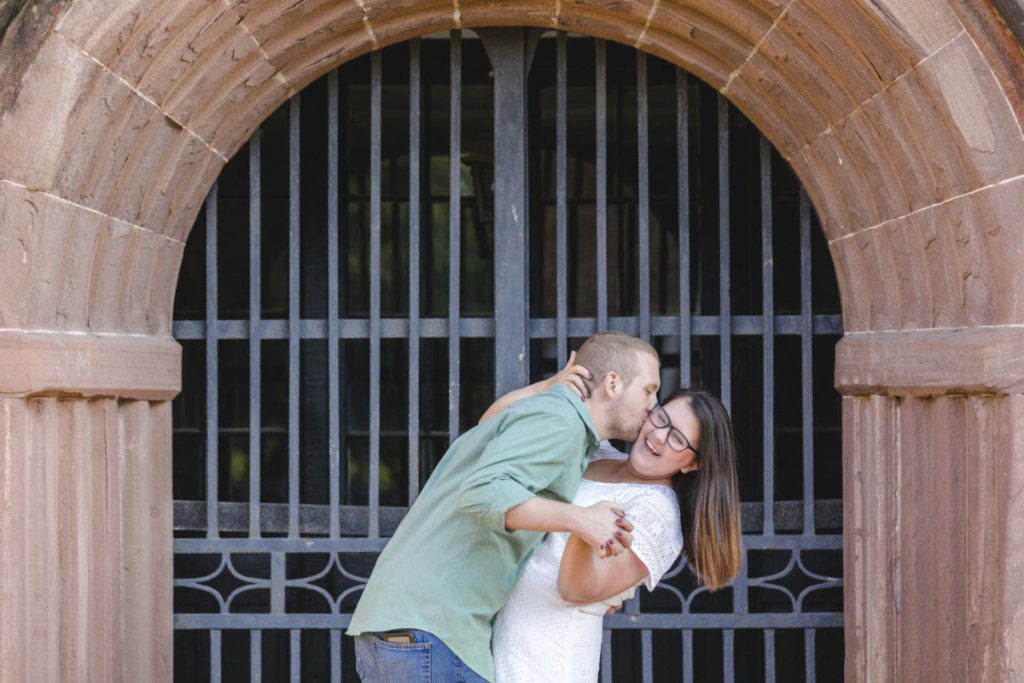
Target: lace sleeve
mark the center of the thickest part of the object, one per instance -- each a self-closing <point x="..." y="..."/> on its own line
<point x="657" y="538"/>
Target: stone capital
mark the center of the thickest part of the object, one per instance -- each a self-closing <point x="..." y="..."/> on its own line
<point x="967" y="361"/>
<point x="77" y="364"/>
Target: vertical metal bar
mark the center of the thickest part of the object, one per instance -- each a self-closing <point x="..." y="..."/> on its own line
<point x="767" y="338"/>
<point x="277" y="579"/>
<point x="215" y="656"/>
<point x="606" y="656"/>
<point x="375" y="228"/>
<point x="769" y="655"/>
<point x="454" y="232"/>
<point x="333" y="388"/>
<point x="724" y="312"/>
<point x="561" y="249"/>
<point x="809" y="658"/>
<point x="806" y="377"/>
<point x="212" y="368"/>
<point x="414" y="268"/>
<point x="335" y="656"/>
<point x="255" y="332"/>
<point x="728" y="660"/>
<point x="647" y="656"/>
<point x="601" y="92"/>
<point x="295" y="656"/>
<point x="644" y="242"/>
<point x="255" y="655"/>
<point x="509" y="50"/>
<point x="294" y="314"/>
<point x="683" y="193"/>
<point x="687" y="656"/>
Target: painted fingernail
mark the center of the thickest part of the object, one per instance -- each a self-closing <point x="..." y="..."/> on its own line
<point x="602" y="546"/>
<point x="590" y="375"/>
<point x="618" y="533"/>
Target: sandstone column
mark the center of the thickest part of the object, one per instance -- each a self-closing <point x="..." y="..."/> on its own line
<point x="933" y="425"/>
<point x="85" y="522"/>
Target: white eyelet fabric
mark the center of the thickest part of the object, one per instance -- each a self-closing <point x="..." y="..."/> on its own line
<point x="540" y="637"/>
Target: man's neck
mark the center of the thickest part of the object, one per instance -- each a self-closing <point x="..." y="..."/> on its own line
<point x="599" y="416"/>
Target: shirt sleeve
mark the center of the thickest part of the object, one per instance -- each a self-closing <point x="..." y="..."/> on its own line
<point x="657" y="540"/>
<point x="529" y="452"/>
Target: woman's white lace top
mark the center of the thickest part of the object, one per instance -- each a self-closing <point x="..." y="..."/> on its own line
<point x="540" y="637"/>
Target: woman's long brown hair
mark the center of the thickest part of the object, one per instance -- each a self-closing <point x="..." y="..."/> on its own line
<point x="709" y="498"/>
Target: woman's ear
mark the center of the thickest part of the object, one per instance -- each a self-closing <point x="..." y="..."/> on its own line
<point x="692" y="467"/>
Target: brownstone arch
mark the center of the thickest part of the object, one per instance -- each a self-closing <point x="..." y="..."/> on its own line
<point x="902" y="119"/>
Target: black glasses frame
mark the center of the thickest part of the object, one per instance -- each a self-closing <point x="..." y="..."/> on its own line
<point x="660" y="419"/>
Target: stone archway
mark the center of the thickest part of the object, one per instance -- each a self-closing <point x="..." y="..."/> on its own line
<point x="902" y="119"/>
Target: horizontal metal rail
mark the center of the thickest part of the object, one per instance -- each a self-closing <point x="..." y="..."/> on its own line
<point x="539" y="328"/>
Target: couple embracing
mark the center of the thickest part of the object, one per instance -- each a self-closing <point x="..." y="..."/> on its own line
<point x="532" y="526"/>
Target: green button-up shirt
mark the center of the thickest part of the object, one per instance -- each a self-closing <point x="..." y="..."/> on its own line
<point x="451" y="564"/>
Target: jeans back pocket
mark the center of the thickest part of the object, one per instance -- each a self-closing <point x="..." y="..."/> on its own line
<point x="402" y="662"/>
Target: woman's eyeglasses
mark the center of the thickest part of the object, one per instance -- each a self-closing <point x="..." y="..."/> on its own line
<point x="676" y="439"/>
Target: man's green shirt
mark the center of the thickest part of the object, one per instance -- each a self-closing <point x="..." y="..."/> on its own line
<point x="451" y="564"/>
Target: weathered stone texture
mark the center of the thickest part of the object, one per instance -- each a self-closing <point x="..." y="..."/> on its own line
<point x="932" y="535"/>
<point x="65" y="267"/>
<point x="86" y="498"/>
<point x="955" y="264"/>
<point x="872" y="580"/>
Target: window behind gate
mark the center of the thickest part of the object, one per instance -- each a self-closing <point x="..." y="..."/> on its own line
<point x="341" y="325"/>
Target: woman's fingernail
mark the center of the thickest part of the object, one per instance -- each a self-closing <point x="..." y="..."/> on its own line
<point x="590" y="376"/>
<point x="618" y="533"/>
<point x="602" y="546"/>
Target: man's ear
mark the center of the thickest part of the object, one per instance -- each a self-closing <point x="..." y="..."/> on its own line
<point x="612" y="384"/>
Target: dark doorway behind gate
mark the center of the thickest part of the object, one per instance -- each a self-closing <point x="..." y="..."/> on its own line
<point x="341" y="323"/>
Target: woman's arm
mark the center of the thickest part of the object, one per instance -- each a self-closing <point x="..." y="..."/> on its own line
<point x="585" y="577"/>
<point x="572" y="376"/>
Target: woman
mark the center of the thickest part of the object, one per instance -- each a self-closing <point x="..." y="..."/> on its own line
<point x="679" y="490"/>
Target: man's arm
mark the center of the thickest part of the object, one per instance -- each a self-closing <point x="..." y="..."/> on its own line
<point x="531" y="450"/>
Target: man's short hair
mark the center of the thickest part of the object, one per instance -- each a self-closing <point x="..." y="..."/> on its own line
<point x="613" y="352"/>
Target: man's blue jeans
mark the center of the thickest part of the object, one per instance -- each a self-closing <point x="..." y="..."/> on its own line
<point x="427" y="660"/>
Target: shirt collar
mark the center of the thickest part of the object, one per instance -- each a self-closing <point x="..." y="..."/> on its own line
<point x="593" y="440"/>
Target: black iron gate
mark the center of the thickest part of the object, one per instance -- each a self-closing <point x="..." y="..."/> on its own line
<point x="350" y="300"/>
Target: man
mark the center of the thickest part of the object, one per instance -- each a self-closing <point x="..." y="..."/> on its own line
<point x="427" y="610"/>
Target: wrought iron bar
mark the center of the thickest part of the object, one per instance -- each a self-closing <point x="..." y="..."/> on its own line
<point x="212" y="368"/>
<point x="643" y="221"/>
<point x="454" y="230"/>
<point x="255" y="342"/>
<point x="375" y="228"/>
<point x="415" y="103"/>
<point x="683" y="194"/>
<point x="724" y="309"/>
<point x="294" y="314"/>
<point x="767" y="335"/>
